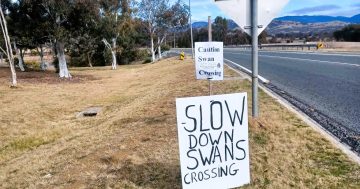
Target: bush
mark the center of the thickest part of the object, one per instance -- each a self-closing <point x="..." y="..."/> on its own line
<point x="16" y="61"/>
<point x="33" y="65"/>
<point x="147" y="60"/>
<point x="34" y="52"/>
<point x="142" y="54"/>
<point x="349" y="33"/>
<point x="78" y="62"/>
<point x="165" y="47"/>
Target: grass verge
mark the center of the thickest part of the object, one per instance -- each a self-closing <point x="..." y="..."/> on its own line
<point x="133" y="142"/>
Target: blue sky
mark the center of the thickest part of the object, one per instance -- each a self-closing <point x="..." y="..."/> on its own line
<point x="201" y="9"/>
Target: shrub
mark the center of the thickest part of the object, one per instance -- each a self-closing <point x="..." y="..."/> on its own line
<point x="165" y="47"/>
<point x="33" y="65"/>
<point x="147" y="60"/>
<point x="78" y="62"/>
<point x="34" y="52"/>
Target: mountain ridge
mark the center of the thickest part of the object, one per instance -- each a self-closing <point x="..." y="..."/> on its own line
<point x="299" y="24"/>
<point x="315" y="19"/>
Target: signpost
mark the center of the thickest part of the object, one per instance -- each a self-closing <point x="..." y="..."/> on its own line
<point x="209" y="60"/>
<point x="252" y="16"/>
<point x="213" y="141"/>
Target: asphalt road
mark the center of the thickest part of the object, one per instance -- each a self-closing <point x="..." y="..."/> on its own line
<point x="327" y="82"/>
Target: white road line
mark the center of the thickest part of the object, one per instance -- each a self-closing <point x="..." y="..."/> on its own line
<point x="314" y="53"/>
<point x="322" y="61"/>
<point x="262" y="79"/>
<point x="305" y="53"/>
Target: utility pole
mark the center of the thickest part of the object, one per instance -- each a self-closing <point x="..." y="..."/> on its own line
<point x="191" y="32"/>
<point x="255" y="52"/>
<point x="209" y="29"/>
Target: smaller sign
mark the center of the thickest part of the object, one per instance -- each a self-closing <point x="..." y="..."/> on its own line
<point x="239" y="11"/>
<point x="209" y="60"/>
<point x="213" y="141"/>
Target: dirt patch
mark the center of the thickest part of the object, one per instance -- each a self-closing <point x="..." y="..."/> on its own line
<point x="47" y="77"/>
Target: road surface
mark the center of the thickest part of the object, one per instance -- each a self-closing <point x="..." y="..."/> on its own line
<point x="327" y="82"/>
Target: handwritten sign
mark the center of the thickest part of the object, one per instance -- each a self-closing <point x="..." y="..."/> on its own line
<point x="209" y="60"/>
<point x="213" y="141"/>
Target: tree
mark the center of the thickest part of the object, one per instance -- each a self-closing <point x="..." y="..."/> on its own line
<point x="85" y="37"/>
<point x="349" y="33"/>
<point x="8" y="51"/>
<point x="220" y="29"/>
<point x="30" y="27"/>
<point x="263" y="38"/>
<point x="21" y="29"/>
<point x="110" y="19"/>
<point x="149" y="10"/>
<point x="60" y="16"/>
<point x="171" y="18"/>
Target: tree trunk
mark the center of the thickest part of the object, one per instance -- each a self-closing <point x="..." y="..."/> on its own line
<point x="22" y="57"/>
<point x="174" y="40"/>
<point x="4" y="29"/>
<point x="1" y="57"/>
<point x="63" y="69"/>
<point x="42" y="62"/>
<point x="159" y="48"/>
<point x="89" y="59"/>
<point x="18" y="54"/>
<point x="152" y="49"/>
<point x="113" y="53"/>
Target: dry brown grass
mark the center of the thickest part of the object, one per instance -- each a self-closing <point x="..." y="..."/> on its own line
<point x="133" y="142"/>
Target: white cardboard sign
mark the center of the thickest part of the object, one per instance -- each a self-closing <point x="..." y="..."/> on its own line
<point x="239" y="11"/>
<point x="209" y="60"/>
<point x="213" y="141"/>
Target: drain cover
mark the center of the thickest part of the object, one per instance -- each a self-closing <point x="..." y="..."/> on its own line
<point x="89" y="112"/>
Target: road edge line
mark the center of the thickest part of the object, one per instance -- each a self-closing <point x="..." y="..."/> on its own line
<point x="262" y="79"/>
<point x="308" y="120"/>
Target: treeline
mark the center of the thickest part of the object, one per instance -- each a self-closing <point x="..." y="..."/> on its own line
<point x="91" y="33"/>
<point x="220" y="32"/>
<point x="350" y="33"/>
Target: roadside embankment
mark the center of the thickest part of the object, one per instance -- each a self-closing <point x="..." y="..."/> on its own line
<point x="132" y="143"/>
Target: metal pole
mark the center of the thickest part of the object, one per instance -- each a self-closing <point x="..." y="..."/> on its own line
<point x="209" y="79"/>
<point x="209" y="29"/>
<point x="191" y="32"/>
<point x="254" y="34"/>
<point x="210" y="39"/>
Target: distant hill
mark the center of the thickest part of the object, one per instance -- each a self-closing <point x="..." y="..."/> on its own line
<point x="320" y="19"/>
<point x="201" y="24"/>
<point x="278" y="26"/>
<point x="300" y="24"/>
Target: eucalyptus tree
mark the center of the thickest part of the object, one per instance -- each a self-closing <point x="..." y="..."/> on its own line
<point x="171" y="19"/>
<point x="110" y="21"/>
<point x="221" y="28"/>
<point x="85" y="36"/>
<point x="149" y="11"/>
<point x="30" y="27"/>
<point x="8" y="51"/>
<point x="59" y="16"/>
<point x="21" y="28"/>
<point x="160" y="18"/>
<point x="118" y="27"/>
